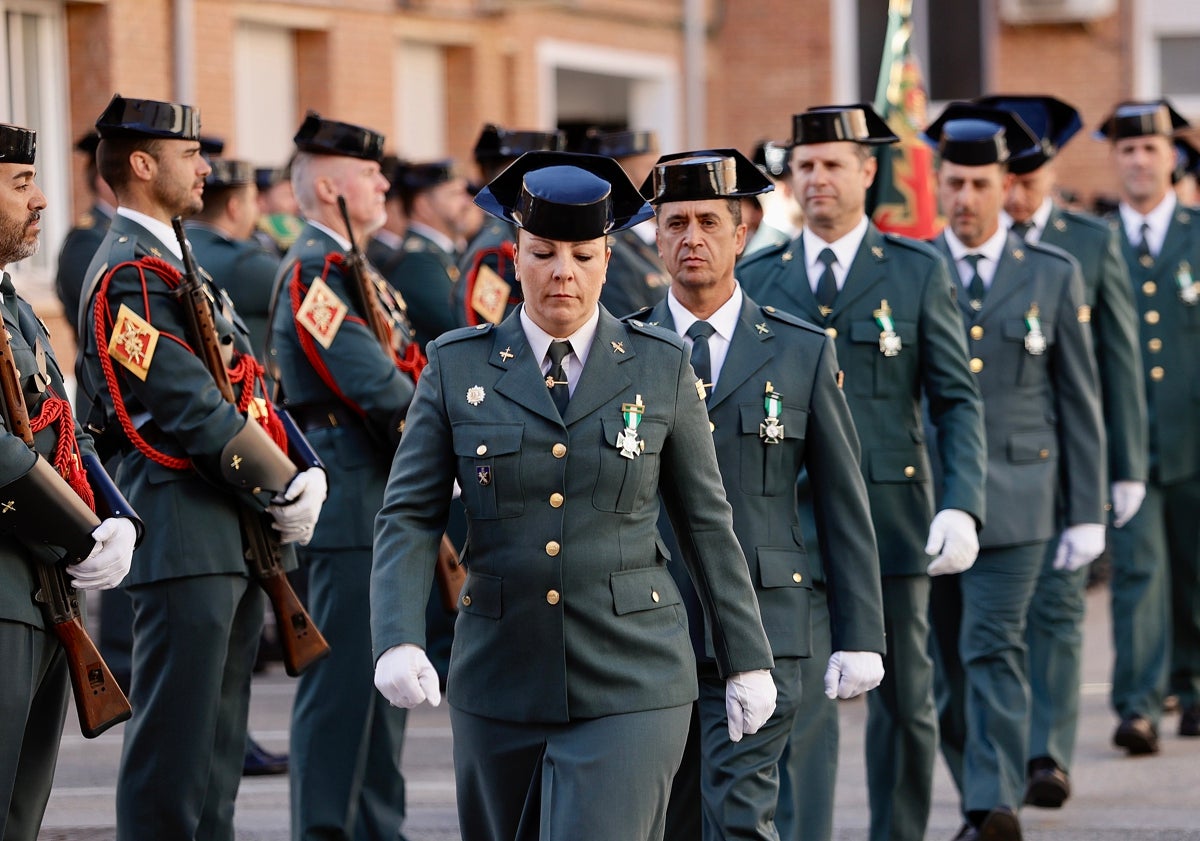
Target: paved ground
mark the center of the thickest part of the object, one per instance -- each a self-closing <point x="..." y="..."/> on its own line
<point x="1116" y="799"/>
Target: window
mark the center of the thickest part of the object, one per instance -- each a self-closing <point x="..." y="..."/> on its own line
<point x="420" y="121"/>
<point x="264" y="93"/>
<point x="1166" y="36"/>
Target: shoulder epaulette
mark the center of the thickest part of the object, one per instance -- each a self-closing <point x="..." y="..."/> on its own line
<point x="1052" y="251"/>
<point x="414" y="244"/>
<point x="461" y="333"/>
<point x="654" y="332"/>
<point x="920" y="246"/>
<point x="794" y="320"/>
<point x="86" y="221"/>
<point x="1086" y="220"/>
<point x="770" y="253"/>
<point x="640" y="315"/>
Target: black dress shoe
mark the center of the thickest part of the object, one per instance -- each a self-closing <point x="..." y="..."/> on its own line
<point x="967" y="833"/>
<point x="1000" y="825"/>
<point x="1048" y="785"/>
<point x="1136" y="735"/>
<point x="1189" y="721"/>
<point x="260" y="762"/>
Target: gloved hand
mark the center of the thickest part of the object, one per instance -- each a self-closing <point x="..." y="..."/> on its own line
<point x="1127" y="498"/>
<point x="953" y="538"/>
<point x="852" y="673"/>
<point x="297" y="510"/>
<point x="405" y="677"/>
<point x="749" y="701"/>
<point x="110" y="558"/>
<point x="1079" y="546"/>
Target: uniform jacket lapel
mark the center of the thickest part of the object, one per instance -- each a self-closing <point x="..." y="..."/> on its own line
<point x="865" y="272"/>
<point x="1179" y="232"/>
<point x="749" y="350"/>
<point x="801" y="300"/>
<point x="964" y="305"/>
<point x="521" y="380"/>
<point x="1009" y="277"/>
<point x="602" y="377"/>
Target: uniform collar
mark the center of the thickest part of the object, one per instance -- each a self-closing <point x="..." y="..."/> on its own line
<point x="342" y="242"/>
<point x="992" y="250"/>
<point x="1039" y="220"/>
<point x="723" y="321"/>
<point x="845" y="248"/>
<point x="1159" y="219"/>
<point x="160" y="230"/>
<point x="433" y="235"/>
<point x="581" y="340"/>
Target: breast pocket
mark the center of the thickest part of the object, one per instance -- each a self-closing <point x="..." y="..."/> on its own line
<point x="770" y="469"/>
<point x="489" y="468"/>
<point x="890" y="373"/>
<point x="1032" y="369"/>
<point x="625" y="484"/>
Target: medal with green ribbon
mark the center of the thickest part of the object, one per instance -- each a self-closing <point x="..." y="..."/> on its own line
<point x="1035" y="340"/>
<point x="627" y="441"/>
<point x="1187" y="287"/>
<point x="771" y="429"/>
<point x="889" y="340"/>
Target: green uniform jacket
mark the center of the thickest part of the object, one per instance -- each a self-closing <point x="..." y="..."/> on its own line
<point x="800" y="363"/>
<point x="425" y="275"/>
<point x="1106" y="289"/>
<point x="17" y="581"/>
<point x="244" y="270"/>
<point x="368" y="384"/>
<point x="1170" y="332"/>
<point x="1045" y="436"/>
<point x="192" y="521"/>
<point x="76" y="255"/>
<point x="884" y="392"/>
<point x="569" y="611"/>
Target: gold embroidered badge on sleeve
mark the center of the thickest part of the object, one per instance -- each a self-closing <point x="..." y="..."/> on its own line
<point x="133" y="342"/>
<point x="490" y="294"/>
<point x="321" y="312"/>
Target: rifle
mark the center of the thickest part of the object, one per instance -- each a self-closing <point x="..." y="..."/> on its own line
<point x="302" y="641"/>
<point x="99" y="701"/>
<point x="451" y="576"/>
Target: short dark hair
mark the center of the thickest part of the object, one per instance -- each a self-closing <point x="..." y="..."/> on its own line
<point x="735" y="210"/>
<point x="112" y="158"/>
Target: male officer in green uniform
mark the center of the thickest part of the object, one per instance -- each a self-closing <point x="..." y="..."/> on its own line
<point x="1031" y="353"/>
<point x="385" y="243"/>
<point x="487" y="290"/>
<point x="1054" y="632"/>
<point x="82" y="241"/>
<point x="186" y="454"/>
<point x="572" y="676"/>
<point x="1158" y="552"/>
<point x="889" y="305"/>
<point x="350" y="393"/>
<point x="42" y="490"/>
<point x="434" y="197"/>
<point x="775" y="408"/>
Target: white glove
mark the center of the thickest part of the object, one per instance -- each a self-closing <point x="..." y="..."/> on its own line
<point x="749" y="702"/>
<point x="852" y="673"/>
<point x="297" y="510"/>
<point x="405" y="677"/>
<point x="1079" y="546"/>
<point x="110" y="558"/>
<point x="1127" y="498"/>
<point x="953" y="538"/>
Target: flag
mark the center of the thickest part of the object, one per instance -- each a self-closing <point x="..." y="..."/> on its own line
<point x="902" y="199"/>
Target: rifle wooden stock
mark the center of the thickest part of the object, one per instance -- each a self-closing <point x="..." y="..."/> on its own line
<point x="301" y="640"/>
<point x="99" y="701"/>
<point x="451" y="575"/>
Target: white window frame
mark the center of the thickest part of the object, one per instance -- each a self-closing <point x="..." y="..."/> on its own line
<point x="1153" y="19"/>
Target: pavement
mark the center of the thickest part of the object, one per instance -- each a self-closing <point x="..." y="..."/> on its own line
<point x="1116" y="798"/>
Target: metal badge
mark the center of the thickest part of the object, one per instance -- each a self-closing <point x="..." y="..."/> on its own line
<point x="771" y="429"/>
<point x="1035" y="340"/>
<point x="628" y="443"/>
<point x="889" y="339"/>
<point x="475" y="395"/>
<point x="1188" y="292"/>
<point x="483" y="474"/>
<point x="506" y="354"/>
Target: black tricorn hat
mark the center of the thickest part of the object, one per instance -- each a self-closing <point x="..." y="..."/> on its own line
<point x="857" y="123"/>
<point x="704" y="174"/>
<point x="17" y="145"/>
<point x="210" y="146"/>
<point x="771" y="158"/>
<point x="1051" y="120"/>
<point x="1187" y="160"/>
<point x="227" y="172"/>
<point x="973" y="135"/>
<point x="565" y="196"/>
<point x="266" y="177"/>
<point x="148" y="118"/>
<point x="1141" y="119"/>
<point x="88" y="143"/>
<point x="620" y="144"/>
<point x="496" y="142"/>
<point x="330" y="137"/>
<point x="414" y="178"/>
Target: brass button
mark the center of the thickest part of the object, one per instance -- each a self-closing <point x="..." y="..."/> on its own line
<point x="1151" y="316"/>
<point x="552" y="597"/>
<point x="769" y="309"/>
<point x="910" y="471"/>
<point x="831" y="332"/>
<point x="1149" y="288"/>
<point x="466" y="600"/>
<point x="797" y="577"/>
<point x="1043" y="453"/>
<point x="976" y="365"/>
<point x="559" y="450"/>
<point x="481" y="450"/>
<point x="1157" y="373"/>
<point x="556" y="500"/>
<point x="1154" y="345"/>
<point x="654" y="596"/>
<point x="976" y="332"/>
<point x="712" y="427"/>
<point x="552" y="548"/>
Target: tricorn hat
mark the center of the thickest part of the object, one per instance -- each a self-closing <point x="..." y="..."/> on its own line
<point x="565" y="196"/>
<point x="266" y="177"/>
<point x="227" y="172"/>
<point x="1051" y="120"/>
<point x="415" y="177"/>
<point x="833" y="123"/>
<point x="148" y="118"/>
<point x="771" y="158"/>
<point x="704" y="174"/>
<point x="619" y="144"/>
<point x="211" y="146"/>
<point x="88" y="143"/>
<point x="1187" y="160"/>
<point x="1141" y="119"/>
<point x="496" y="142"/>
<point x="330" y="137"/>
<point x="973" y="135"/>
<point x="17" y="145"/>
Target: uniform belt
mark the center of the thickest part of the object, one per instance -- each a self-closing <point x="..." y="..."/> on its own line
<point x="310" y="416"/>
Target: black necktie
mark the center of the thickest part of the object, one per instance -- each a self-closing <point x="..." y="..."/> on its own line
<point x="1022" y="229"/>
<point x="975" y="288"/>
<point x="701" y="358"/>
<point x="1143" y="246"/>
<point x="556" y="381"/>
<point x="827" y="284"/>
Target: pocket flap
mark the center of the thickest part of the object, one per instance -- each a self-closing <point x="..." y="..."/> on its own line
<point x="642" y="589"/>
<point x="1015" y="330"/>
<point x="481" y="595"/>
<point x="484" y="440"/>
<point x="783" y="567"/>
<point x="1029" y="447"/>
<point x="897" y="466"/>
